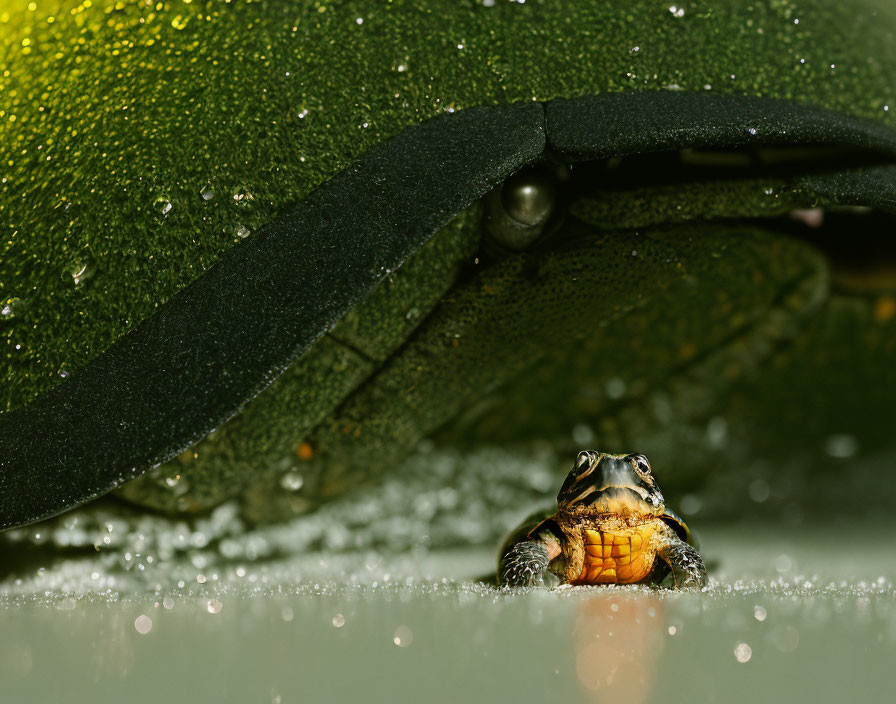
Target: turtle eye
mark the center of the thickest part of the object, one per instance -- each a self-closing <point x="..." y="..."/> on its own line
<point x="583" y="460"/>
<point x="641" y="464"/>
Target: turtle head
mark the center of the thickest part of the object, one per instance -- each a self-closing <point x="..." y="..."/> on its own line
<point x="600" y="483"/>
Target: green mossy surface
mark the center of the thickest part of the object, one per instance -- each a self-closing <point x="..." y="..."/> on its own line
<point x="528" y="346"/>
<point x="230" y="111"/>
<point x="261" y="445"/>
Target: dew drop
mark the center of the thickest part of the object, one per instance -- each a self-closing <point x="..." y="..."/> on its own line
<point x="743" y="652"/>
<point x="81" y="268"/>
<point x="11" y="307"/>
<point x="163" y="203"/>
<point x="615" y="388"/>
<point x="214" y="606"/>
<point x="582" y="435"/>
<point x="690" y="504"/>
<point x="143" y="624"/>
<point x="207" y="193"/>
<point x="403" y="637"/>
<point x="242" y="197"/>
<point x="841" y="446"/>
<point x="783" y="563"/>
<point x="292" y="481"/>
<point x="759" y="490"/>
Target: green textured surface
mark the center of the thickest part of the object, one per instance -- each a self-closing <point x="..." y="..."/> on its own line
<point x="260" y="444"/>
<point x="649" y="206"/>
<point x="561" y="319"/>
<point x="112" y="111"/>
<point x="221" y="341"/>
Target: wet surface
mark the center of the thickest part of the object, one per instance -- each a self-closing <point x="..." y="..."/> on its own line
<point x="809" y="615"/>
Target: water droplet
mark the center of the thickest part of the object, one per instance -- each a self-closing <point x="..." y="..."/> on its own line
<point x="81" y="268"/>
<point x="338" y="621"/>
<point x="242" y="197"/>
<point x="11" y="307"/>
<point x="759" y="490"/>
<point x="292" y="481"/>
<point x="243" y="231"/>
<point x="690" y="504"/>
<point x="143" y="624"/>
<point x="717" y="432"/>
<point x="582" y="435"/>
<point x="841" y="446"/>
<point x="214" y="606"/>
<point x="783" y="563"/>
<point x="287" y="614"/>
<point x="64" y="371"/>
<point x="168" y="602"/>
<point x="676" y="11"/>
<point x="759" y="613"/>
<point x="615" y="388"/>
<point x="163" y="203"/>
<point x="207" y="193"/>
<point x="743" y="652"/>
<point x="403" y="637"/>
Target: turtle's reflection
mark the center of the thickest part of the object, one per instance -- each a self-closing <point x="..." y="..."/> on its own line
<point x="618" y="640"/>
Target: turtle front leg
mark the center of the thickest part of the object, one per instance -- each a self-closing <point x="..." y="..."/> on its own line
<point x="688" y="570"/>
<point x="525" y="564"/>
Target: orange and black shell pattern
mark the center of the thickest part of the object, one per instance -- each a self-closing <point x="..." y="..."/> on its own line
<point x="611" y="527"/>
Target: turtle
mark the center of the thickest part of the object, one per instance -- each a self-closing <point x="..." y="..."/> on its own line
<point x="330" y="268"/>
<point x="611" y="526"/>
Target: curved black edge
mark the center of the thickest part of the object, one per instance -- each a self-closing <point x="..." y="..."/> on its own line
<point x="622" y="124"/>
<point x="223" y="339"/>
<point x="219" y="342"/>
<point x="873" y="187"/>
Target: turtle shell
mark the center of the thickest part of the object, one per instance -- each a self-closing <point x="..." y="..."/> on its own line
<point x="192" y="219"/>
<point x="674" y="521"/>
